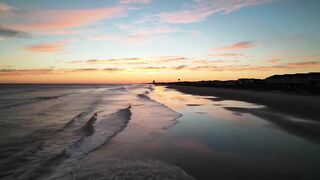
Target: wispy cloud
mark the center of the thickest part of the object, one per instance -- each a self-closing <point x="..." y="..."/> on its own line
<point x="135" y="35"/>
<point x="274" y="61"/>
<point x="105" y="61"/>
<point x="91" y="70"/>
<point x="309" y="58"/>
<point x="134" y="61"/>
<point x="4" y="7"/>
<point x="253" y="67"/>
<point x="310" y="63"/>
<point x="160" y="68"/>
<point x="11" y="33"/>
<point x="164" y="67"/>
<point x="149" y="64"/>
<point x="135" y="1"/>
<point x="201" y="9"/>
<point x="226" y="55"/>
<point x="186" y="16"/>
<point x="50" y="21"/>
<point x="47" y="47"/>
<point x="48" y="71"/>
<point x="165" y="59"/>
<point x="19" y="72"/>
<point x="237" y="46"/>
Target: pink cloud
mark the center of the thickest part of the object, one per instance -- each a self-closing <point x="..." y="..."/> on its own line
<point x="226" y="55"/>
<point x="237" y="46"/>
<point x="58" y="20"/>
<point x="274" y="61"/>
<point x="134" y="1"/>
<point x="130" y="39"/>
<point x="310" y="63"/>
<point x="4" y="7"/>
<point x="186" y="16"/>
<point x="125" y="64"/>
<point x="155" y="30"/>
<point x="135" y="39"/>
<point x="248" y="67"/>
<point x="202" y="9"/>
<point x="136" y="35"/>
<point x="120" y="61"/>
<point x="47" y="47"/>
<point x="306" y="58"/>
<point x="103" y="37"/>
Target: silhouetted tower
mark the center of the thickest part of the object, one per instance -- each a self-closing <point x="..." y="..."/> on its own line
<point x="153" y="82"/>
<point x="179" y="79"/>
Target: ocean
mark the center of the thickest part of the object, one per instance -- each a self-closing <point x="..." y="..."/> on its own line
<point x="142" y="132"/>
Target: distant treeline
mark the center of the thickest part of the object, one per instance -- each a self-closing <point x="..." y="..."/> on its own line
<point x="300" y="83"/>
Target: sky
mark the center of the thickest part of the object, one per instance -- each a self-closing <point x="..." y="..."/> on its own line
<point x="138" y="41"/>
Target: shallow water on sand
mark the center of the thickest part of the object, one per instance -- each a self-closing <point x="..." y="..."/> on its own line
<point x="144" y="132"/>
<point x="215" y="141"/>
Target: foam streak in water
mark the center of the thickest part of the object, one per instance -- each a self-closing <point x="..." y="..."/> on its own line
<point x="102" y="128"/>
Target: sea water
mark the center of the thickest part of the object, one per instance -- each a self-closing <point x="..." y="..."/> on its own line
<point x="143" y="132"/>
<point x="49" y="131"/>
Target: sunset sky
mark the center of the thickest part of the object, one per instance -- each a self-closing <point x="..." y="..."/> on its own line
<point x="133" y="41"/>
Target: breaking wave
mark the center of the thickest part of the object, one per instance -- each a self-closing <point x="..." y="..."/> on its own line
<point x="88" y="128"/>
<point x="97" y="132"/>
<point x="175" y="116"/>
<point x="34" y="100"/>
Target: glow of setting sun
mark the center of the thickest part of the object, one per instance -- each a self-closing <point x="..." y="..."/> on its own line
<point x="136" y="41"/>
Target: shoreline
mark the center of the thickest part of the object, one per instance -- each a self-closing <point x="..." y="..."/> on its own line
<point x="299" y="106"/>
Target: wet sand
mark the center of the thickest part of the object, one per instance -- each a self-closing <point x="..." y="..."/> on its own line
<point x="296" y="114"/>
<point x="236" y="139"/>
<point x="299" y="106"/>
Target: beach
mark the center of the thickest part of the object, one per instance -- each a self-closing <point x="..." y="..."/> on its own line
<point x="297" y="114"/>
<point x="142" y="131"/>
<point x="301" y="106"/>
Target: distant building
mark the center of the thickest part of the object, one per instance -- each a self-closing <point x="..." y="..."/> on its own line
<point x="249" y="81"/>
<point x="295" y="82"/>
<point x="310" y="79"/>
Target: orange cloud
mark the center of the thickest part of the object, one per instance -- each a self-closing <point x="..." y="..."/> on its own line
<point x="310" y="63"/>
<point x="171" y="58"/>
<point x="138" y="61"/>
<point x="91" y="70"/>
<point x="105" y="61"/>
<point x="248" y="67"/>
<point x="274" y="61"/>
<point x="181" y="67"/>
<point x="165" y="72"/>
<point x="18" y="72"/>
<point x="46" y="71"/>
<point x="238" y="46"/>
<point x="226" y="55"/>
<point x="47" y="47"/>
